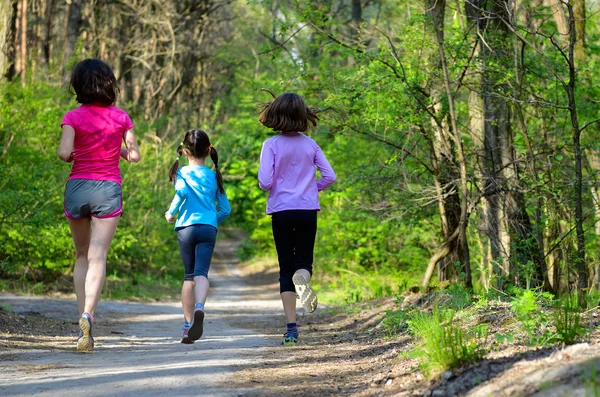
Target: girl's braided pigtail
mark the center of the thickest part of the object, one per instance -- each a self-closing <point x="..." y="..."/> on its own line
<point x="214" y="156"/>
<point x="175" y="166"/>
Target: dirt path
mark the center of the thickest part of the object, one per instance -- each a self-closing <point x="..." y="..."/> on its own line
<point x="138" y="350"/>
<point x="344" y="351"/>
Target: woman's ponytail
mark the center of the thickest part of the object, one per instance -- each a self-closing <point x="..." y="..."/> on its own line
<point x="175" y="166"/>
<point x="214" y="156"/>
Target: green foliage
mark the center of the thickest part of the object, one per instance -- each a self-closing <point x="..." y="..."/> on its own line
<point x="458" y="297"/>
<point x="395" y="322"/>
<point x="567" y="319"/>
<point x="535" y="322"/>
<point x="444" y="343"/>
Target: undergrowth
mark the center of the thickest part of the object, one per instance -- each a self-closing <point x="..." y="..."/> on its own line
<point x="444" y="343"/>
<point x="441" y="324"/>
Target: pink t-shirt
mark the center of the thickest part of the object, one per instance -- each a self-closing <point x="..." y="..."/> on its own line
<point x="99" y="134"/>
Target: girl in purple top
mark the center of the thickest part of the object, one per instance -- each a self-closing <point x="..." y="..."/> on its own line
<point x="92" y="138"/>
<point x="287" y="171"/>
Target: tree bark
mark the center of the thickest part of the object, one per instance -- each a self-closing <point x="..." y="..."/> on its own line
<point x="46" y="31"/>
<point x="579" y="21"/>
<point x="451" y="171"/>
<point x="582" y="273"/>
<point x="73" y="28"/>
<point x="356" y="18"/>
<point x="8" y="12"/>
<point x="506" y="221"/>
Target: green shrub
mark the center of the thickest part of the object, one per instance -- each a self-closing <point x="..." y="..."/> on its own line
<point x="444" y="344"/>
<point x="395" y="322"/>
<point x="535" y="322"/>
<point x="567" y="319"/>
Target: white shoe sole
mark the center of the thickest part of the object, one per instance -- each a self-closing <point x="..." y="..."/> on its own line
<point x="308" y="298"/>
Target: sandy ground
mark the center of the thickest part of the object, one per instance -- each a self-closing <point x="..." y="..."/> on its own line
<point x="138" y="350"/>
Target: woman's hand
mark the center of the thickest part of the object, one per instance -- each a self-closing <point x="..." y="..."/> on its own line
<point x="170" y="218"/>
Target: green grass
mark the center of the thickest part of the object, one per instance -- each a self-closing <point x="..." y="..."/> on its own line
<point x="345" y="286"/>
<point x="443" y="342"/>
<point x="144" y="287"/>
<point x="141" y="287"/>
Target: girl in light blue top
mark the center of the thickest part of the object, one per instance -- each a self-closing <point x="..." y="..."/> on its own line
<point x="201" y="204"/>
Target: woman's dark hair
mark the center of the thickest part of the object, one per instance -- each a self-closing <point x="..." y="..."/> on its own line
<point x="94" y="81"/>
<point x="287" y="113"/>
<point x="198" y="145"/>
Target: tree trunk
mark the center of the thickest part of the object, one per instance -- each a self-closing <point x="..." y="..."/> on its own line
<point x="582" y="281"/>
<point x="73" y="29"/>
<point x="560" y="18"/>
<point x="356" y="18"/>
<point x="46" y="31"/>
<point x="450" y="165"/>
<point x="8" y="12"/>
<point x="506" y="221"/>
<point x="579" y="21"/>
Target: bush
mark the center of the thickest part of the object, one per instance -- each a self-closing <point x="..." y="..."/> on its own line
<point x="536" y="323"/>
<point x="567" y="319"/>
<point x="443" y="343"/>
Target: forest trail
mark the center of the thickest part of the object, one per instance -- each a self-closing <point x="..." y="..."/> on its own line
<point x="342" y="351"/>
<point x="138" y="349"/>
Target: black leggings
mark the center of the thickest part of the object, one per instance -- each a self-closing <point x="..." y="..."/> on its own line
<point x="294" y="233"/>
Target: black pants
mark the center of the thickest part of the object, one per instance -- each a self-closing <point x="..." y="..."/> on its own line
<point x="294" y="233"/>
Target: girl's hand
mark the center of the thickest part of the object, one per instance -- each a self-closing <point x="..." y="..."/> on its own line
<point x="170" y="218"/>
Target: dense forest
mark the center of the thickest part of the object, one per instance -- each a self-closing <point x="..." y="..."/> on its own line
<point x="464" y="133"/>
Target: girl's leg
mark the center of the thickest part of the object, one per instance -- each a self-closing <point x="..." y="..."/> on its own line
<point x="206" y="237"/>
<point x="201" y="289"/>
<point x="102" y="234"/>
<point x="81" y="232"/>
<point x="306" y="230"/>
<point x="289" y="306"/>
<point x="284" y="236"/>
<point x="187" y="299"/>
<point x="187" y="249"/>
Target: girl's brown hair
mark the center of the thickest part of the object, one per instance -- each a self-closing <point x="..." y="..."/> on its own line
<point x="288" y="113"/>
<point x="93" y="81"/>
<point x="198" y="145"/>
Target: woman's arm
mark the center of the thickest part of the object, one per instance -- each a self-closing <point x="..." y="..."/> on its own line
<point x="65" y="148"/>
<point x="131" y="152"/>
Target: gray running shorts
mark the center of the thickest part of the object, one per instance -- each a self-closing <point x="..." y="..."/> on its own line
<point x="85" y="198"/>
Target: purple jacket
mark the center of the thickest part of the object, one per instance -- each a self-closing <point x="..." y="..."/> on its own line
<point x="287" y="170"/>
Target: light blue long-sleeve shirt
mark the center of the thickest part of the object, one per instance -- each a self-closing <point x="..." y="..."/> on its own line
<point x="197" y="197"/>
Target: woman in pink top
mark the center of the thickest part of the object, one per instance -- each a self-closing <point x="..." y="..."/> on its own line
<point x="287" y="171"/>
<point x="92" y="138"/>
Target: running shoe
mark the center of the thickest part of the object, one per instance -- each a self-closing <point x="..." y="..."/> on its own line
<point x="197" y="327"/>
<point x="85" y="343"/>
<point x="308" y="298"/>
<point x="289" y="339"/>
<point x="185" y="338"/>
